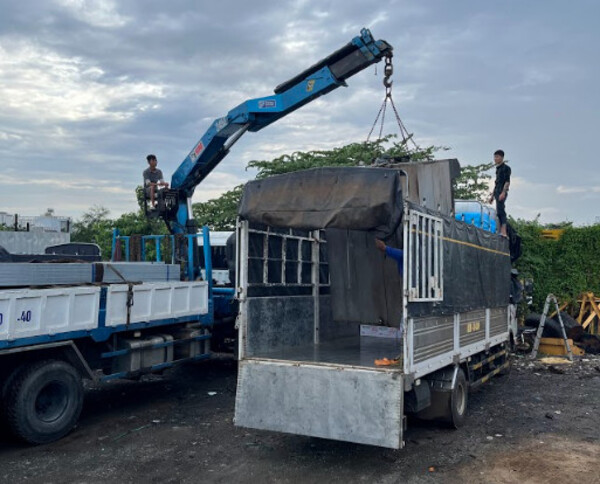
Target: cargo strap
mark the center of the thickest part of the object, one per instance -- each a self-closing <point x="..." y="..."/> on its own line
<point x="130" y="285"/>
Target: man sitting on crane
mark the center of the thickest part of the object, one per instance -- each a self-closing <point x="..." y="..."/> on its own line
<point x="153" y="180"/>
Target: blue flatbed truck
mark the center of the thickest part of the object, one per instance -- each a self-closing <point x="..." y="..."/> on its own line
<point x="53" y="336"/>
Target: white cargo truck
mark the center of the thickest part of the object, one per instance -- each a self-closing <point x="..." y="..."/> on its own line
<point x="61" y="323"/>
<point x="339" y="341"/>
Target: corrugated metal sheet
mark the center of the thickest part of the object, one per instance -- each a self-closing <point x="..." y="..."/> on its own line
<point x="432" y="337"/>
<point x="472" y="327"/>
<point x="498" y="321"/>
<point x="29" y="274"/>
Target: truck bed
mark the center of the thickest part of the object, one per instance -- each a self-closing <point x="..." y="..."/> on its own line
<point x="30" y="316"/>
<point x="354" y="351"/>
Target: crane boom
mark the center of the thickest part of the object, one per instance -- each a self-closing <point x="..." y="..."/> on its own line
<point x="255" y="114"/>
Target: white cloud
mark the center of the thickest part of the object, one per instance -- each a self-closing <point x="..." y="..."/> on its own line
<point x="532" y="77"/>
<point x="88" y="87"/>
<point x="73" y="183"/>
<point x="40" y="84"/>
<point x="569" y="190"/>
<point x="98" y="13"/>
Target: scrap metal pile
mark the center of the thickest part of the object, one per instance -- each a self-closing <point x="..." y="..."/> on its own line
<point x="590" y="343"/>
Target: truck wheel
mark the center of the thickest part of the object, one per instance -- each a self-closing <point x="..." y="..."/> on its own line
<point x="8" y="379"/>
<point x="44" y="401"/>
<point x="459" y="400"/>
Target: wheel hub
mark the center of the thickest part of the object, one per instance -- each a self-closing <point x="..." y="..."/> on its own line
<point x="51" y="401"/>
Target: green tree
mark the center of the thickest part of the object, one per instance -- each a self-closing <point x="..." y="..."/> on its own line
<point x="94" y="226"/>
<point x="565" y="267"/>
<point x="353" y="154"/>
<point x="220" y="213"/>
<point x="473" y="183"/>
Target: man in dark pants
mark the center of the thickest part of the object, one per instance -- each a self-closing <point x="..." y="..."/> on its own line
<point x="501" y="189"/>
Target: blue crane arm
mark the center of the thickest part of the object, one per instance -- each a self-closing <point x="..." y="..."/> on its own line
<point x="255" y="114"/>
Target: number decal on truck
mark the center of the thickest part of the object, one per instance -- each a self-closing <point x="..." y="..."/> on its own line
<point x="472" y="327"/>
<point x="25" y="316"/>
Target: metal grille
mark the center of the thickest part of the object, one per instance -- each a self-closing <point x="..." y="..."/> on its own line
<point x="425" y="258"/>
<point x="472" y="327"/>
<point x="432" y="337"/>
<point x="286" y="258"/>
<point x="498" y="321"/>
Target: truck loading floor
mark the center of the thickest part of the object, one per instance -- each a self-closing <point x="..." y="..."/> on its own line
<point x="357" y="351"/>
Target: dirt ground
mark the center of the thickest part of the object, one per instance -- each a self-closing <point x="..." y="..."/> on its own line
<point x="539" y="424"/>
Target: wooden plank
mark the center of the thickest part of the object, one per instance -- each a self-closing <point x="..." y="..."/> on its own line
<point x="556" y="346"/>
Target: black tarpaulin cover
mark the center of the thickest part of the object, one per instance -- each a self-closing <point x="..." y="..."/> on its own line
<point x="341" y="197"/>
<point x="357" y="205"/>
<point x="366" y="286"/>
<point x="430" y="183"/>
<point x="476" y="270"/>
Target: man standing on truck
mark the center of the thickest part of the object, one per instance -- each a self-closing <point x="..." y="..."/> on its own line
<point x="501" y="189"/>
<point x="153" y="178"/>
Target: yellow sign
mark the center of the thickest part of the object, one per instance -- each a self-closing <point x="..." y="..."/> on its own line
<point x="474" y="326"/>
<point x="310" y="84"/>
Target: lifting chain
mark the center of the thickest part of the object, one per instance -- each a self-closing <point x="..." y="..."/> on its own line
<point x="388" y="71"/>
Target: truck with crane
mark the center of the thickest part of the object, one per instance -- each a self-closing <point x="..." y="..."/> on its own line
<point x="61" y="323"/>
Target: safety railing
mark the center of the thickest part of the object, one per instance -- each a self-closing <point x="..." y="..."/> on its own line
<point x="425" y="257"/>
<point x="170" y="252"/>
<point x="285" y="258"/>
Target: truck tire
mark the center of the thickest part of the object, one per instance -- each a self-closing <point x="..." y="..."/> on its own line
<point x="7" y="381"/>
<point x="459" y="400"/>
<point x="44" y="401"/>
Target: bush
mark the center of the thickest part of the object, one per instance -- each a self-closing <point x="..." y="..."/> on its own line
<point x="566" y="268"/>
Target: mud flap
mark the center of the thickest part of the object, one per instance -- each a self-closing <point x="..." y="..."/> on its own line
<point x="332" y="402"/>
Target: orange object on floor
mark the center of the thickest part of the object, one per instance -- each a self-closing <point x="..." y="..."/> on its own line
<point x="387" y="362"/>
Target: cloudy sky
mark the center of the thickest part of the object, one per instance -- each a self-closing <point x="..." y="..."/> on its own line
<point x="89" y="87"/>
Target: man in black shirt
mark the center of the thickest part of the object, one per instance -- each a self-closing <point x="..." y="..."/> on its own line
<point x="153" y="179"/>
<point x="501" y="189"/>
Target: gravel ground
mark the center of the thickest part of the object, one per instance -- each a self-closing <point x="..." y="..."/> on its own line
<point x="540" y="424"/>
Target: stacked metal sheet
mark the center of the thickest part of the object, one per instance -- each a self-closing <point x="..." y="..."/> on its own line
<point x="18" y="274"/>
<point x="139" y="271"/>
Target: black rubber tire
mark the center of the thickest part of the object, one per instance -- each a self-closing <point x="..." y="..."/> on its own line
<point x="7" y="381"/>
<point x="533" y="320"/>
<point x="459" y="400"/>
<point x="569" y="321"/>
<point x="44" y="401"/>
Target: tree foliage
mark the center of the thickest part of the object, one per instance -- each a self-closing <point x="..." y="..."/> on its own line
<point x="473" y="183"/>
<point x="353" y="154"/>
<point x="219" y="213"/>
<point x="96" y="226"/>
<point x="566" y="267"/>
